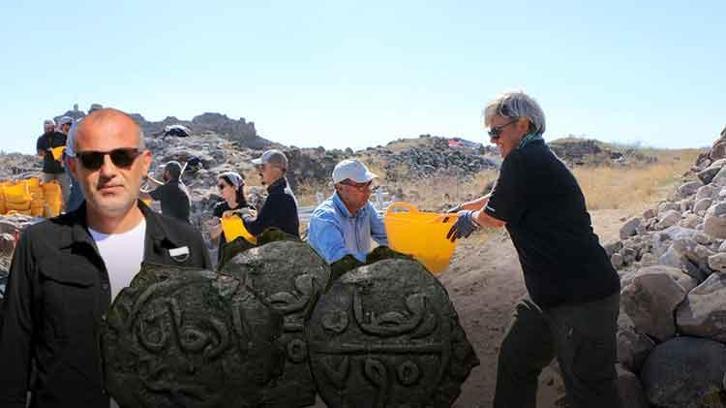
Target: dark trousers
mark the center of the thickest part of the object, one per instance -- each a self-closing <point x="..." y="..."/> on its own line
<point x="581" y="336"/>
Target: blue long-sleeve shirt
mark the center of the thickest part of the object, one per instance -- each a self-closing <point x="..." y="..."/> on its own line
<point x="334" y="232"/>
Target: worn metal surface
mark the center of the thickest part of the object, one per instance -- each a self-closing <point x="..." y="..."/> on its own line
<point x="387" y="335"/>
<point x="288" y="276"/>
<point x="189" y="338"/>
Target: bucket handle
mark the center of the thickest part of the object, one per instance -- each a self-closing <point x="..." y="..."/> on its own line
<point x="402" y="205"/>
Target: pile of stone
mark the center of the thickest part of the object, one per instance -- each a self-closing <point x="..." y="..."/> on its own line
<point x="672" y="263"/>
<point x="430" y="156"/>
<point x="577" y="151"/>
<point x="18" y="165"/>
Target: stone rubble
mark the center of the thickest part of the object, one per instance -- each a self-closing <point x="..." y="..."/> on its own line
<point x="674" y="293"/>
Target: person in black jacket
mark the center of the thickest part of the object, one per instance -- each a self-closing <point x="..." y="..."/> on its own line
<point x="171" y="193"/>
<point x="51" y="139"/>
<point x="573" y="303"/>
<point x="66" y="271"/>
<point x="280" y="208"/>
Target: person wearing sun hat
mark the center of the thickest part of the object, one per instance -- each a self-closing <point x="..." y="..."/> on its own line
<point x="345" y="223"/>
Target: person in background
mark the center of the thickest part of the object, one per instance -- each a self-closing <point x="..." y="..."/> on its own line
<point x="171" y="193"/>
<point x="572" y="309"/>
<point x="231" y="188"/>
<point x="280" y="208"/>
<point x="49" y="140"/>
<point x="67" y="270"/>
<point x="345" y="223"/>
<point x="75" y="196"/>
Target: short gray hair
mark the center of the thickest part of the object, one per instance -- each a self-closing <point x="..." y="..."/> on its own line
<point x="515" y="105"/>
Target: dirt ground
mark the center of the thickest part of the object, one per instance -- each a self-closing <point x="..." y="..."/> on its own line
<point x="485" y="281"/>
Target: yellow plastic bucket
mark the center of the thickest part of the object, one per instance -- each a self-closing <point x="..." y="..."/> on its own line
<point x="57" y="152"/>
<point x="420" y="234"/>
<point x="233" y="227"/>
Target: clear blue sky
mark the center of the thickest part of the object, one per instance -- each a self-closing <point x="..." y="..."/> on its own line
<point x="359" y="73"/>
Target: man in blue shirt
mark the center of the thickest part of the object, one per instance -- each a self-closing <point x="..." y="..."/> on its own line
<point x="345" y="223"/>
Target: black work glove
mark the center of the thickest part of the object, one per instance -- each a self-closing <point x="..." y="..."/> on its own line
<point x="463" y="227"/>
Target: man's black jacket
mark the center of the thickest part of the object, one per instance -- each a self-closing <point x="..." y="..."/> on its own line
<point x="278" y="211"/>
<point x="57" y="294"/>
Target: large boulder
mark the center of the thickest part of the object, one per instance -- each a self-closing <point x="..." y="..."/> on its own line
<point x="689" y="188"/>
<point x="720" y="178"/>
<point x="703" y="313"/>
<point x="288" y="277"/>
<point x="717" y="262"/>
<point x="630" y="227"/>
<point x="185" y="337"/>
<point x="668" y="219"/>
<point x="630" y="389"/>
<point x="662" y="240"/>
<point x="387" y="335"/>
<point x="686" y="372"/>
<point x="715" y="220"/>
<point x="652" y="297"/>
<point x="633" y="348"/>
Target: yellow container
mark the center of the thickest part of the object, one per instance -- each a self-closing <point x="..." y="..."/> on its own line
<point x="17" y="193"/>
<point x="52" y="209"/>
<point x="420" y="234"/>
<point x="37" y="211"/>
<point x="33" y="182"/>
<point x="233" y="227"/>
<point x="57" y="152"/>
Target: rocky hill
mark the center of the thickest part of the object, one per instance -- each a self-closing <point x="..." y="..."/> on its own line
<point x="240" y="131"/>
<point x="577" y="151"/>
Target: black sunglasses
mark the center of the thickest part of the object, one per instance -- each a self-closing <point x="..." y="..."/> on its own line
<point x="496" y="131"/>
<point x="122" y="158"/>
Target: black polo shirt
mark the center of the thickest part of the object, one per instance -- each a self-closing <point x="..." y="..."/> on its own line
<point x="174" y="199"/>
<point x="48" y="141"/>
<point x="544" y="210"/>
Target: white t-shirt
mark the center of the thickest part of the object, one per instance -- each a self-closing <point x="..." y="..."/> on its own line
<point x="122" y="254"/>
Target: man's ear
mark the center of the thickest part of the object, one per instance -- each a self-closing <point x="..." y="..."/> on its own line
<point x="146" y="161"/>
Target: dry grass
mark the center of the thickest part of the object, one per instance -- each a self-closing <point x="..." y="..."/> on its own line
<point x="604" y="187"/>
<point x="608" y="187"/>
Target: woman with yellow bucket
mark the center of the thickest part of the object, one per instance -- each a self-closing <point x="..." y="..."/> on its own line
<point x="573" y="303"/>
<point x="231" y="188"/>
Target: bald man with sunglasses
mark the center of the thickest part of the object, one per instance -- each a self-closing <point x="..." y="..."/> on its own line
<point x="67" y="270"/>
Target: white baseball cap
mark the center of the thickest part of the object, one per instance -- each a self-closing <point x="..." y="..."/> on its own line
<point x="352" y="169"/>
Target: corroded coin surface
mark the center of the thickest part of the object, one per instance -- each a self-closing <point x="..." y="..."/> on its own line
<point x="189" y="338"/>
<point x="287" y="276"/>
<point x="387" y="335"/>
